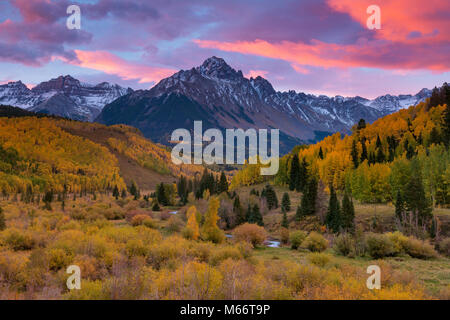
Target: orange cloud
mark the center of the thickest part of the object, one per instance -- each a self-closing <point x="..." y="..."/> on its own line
<point x="112" y="64"/>
<point x="255" y="73"/>
<point x="401" y="19"/>
<point x="414" y="35"/>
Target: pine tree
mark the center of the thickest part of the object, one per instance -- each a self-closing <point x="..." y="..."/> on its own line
<point x="333" y="219"/>
<point x="124" y="193"/>
<point x="320" y="153"/>
<point x="285" y="203"/>
<point x="116" y="192"/>
<point x="380" y="156"/>
<point x="161" y="195"/>
<point x="284" y="222"/>
<point x="271" y="197"/>
<point x="256" y="216"/>
<point x="361" y="124"/>
<point x="133" y="189"/>
<point x="182" y="189"/>
<point x="2" y="220"/>
<point x="223" y="183"/>
<point x="308" y="202"/>
<point x="155" y="206"/>
<point x="48" y="198"/>
<point x="354" y="154"/>
<point x="364" y="151"/>
<point x="248" y="214"/>
<point x="415" y="198"/>
<point x="238" y="211"/>
<point x="348" y="214"/>
<point x="294" y="174"/>
<point x="298" y="213"/>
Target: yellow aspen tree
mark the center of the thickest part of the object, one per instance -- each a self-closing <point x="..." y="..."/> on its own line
<point x="192" y="224"/>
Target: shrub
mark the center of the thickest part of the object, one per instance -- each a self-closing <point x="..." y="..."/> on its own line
<point x="251" y="233"/>
<point x="135" y="248"/>
<point x="379" y="245"/>
<point x="174" y="224"/>
<point x="58" y="259"/>
<point x="284" y="233"/>
<point x="221" y="254"/>
<point x="443" y="247"/>
<point x="297" y="238"/>
<point x="344" y="244"/>
<point x="420" y="249"/>
<point x="138" y="220"/>
<point x="149" y="223"/>
<point x="399" y="241"/>
<point x="165" y="215"/>
<point x="319" y="259"/>
<point x="315" y="242"/>
<point x="19" y="240"/>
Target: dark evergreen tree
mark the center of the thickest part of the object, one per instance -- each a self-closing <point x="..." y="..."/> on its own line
<point x="133" y="189"/>
<point x="124" y="193"/>
<point x="294" y="174"/>
<point x="354" y="154"/>
<point x="435" y="136"/>
<point x="182" y="189"/>
<point x="333" y="218"/>
<point x="155" y="206"/>
<point x="380" y="156"/>
<point x="364" y="155"/>
<point x="284" y="222"/>
<point x="308" y="202"/>
<point x="238" y="211"/>
<point x="223" y="183"/>
<point x="116" y="192"/>
<point x="285" y="203"/>
<point x="320" y="153"/>
<point x="348" y="214"/>
<point x="271" y="197"/>
<point x="417" y="204"/>
<point x="48" y="198"/>
<point x="161" y="195"/>
<point x="361" y="124"/>
<point x="298" y="213"/>
<point x="255" y="216"/>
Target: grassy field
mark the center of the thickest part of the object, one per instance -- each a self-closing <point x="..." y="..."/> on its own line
<point x="433" y="275"/>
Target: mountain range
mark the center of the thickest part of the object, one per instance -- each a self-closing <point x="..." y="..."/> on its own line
<point x="214" y="93"/>
<point x="223" y="98"/>
<point x="63" y="96"/>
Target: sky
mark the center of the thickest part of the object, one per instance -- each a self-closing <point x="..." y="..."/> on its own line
<point x="312" y="46"/>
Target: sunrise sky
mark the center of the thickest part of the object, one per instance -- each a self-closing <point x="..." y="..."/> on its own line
<point x="314" y="46"/>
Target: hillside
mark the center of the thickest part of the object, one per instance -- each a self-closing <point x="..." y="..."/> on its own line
<point x="49" y="153"/>
<point x="375" y="162"/>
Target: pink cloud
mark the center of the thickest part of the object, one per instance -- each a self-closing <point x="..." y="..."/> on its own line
<point x="255" y="73"/>
<point x="376" y="54"/>
<point x="114" y="65"/>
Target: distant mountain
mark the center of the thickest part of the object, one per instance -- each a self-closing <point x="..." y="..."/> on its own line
<point x="223" y="98"/>
<point x="63" y="96"/>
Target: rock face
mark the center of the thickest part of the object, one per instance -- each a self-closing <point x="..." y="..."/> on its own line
<point x="223" y="98"/>
<point x="63" y="96"/>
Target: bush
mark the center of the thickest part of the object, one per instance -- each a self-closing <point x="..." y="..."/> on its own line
<point x="297" y="238"/>
<point x="315" y="242"/>
<point x="344" y="244"/>
<point x="19" y="240"/>
<point x="284" y="233"/>
<point x="58" y="259"/>
<point x="399" y="241"/>
<point x="379" y="245"/>
<point x="319" y="259"/>
<point x="443" y="247"/>
<point x="420" y="249"/>
<point x="251" y="233"/>
<point x="224" y="253"/>
<point x="150" y="223"/>
<point x="138" y="220"/>
<point x="135" y="248"/>
<point x="174" y="224"/>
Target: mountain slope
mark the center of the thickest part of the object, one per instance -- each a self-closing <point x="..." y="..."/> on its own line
<point x="223" y="98"/>
<point x="49" y="152"/>
<point x="63" y="96"/>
